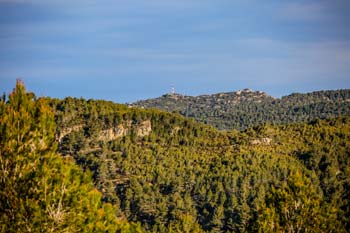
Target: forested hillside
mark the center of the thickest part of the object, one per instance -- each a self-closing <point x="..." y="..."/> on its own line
<point x="41" y="191"/>
<point x="172" y="174"/>
<point x="243" y="109"/>
<point x="121" y="169"/>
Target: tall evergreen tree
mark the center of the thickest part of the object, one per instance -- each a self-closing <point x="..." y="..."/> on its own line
<point x="40" y="190"/>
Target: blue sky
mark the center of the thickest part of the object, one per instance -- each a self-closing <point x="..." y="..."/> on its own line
<point x="127" y="50"/>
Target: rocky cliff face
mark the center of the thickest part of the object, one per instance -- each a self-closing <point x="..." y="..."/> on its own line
<point x="113" y="133"/>
<point x="261" y="141"/>
<point x="67" y="131"/>
<point x="142" y="129"/>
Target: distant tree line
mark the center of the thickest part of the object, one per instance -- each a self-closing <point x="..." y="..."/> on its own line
<point x="242" y="110"/>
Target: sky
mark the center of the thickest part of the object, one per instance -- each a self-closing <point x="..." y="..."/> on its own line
<point x="128" y="50"/>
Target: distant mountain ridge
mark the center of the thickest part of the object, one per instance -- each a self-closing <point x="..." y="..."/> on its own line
<point x="246" y="108"/>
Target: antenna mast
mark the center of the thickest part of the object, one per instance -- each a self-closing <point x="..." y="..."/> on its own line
<point x="172" y="89"/>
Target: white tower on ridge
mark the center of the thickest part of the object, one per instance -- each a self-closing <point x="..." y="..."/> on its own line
<point x="172" y="89"/>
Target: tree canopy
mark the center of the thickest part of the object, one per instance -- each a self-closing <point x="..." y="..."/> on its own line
<point x="41" y="191"/>
<point x="77" y="165"/>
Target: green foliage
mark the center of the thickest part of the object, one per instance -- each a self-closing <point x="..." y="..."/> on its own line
<point x="295" y="207"/>
<point x="171" y="174"/>
<point x="40" y="190"/>
<point x="182" y="176"/>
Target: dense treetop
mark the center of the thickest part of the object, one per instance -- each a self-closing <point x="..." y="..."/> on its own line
<point x="41" y="191"/>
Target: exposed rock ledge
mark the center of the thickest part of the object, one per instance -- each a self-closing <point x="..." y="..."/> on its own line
<point x="112" y="133"/>
<point x="67" y="131"/>
<point x="261" y="141"/>
<point x="143" y="129"/>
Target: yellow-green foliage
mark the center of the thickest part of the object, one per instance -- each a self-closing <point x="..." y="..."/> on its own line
<point x="185" y="176"/>
<point x="40" y="190"/>
<point x="175" y="176"/>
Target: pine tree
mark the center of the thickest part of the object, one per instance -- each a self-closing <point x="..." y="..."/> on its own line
<point x="40" y="190"/>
